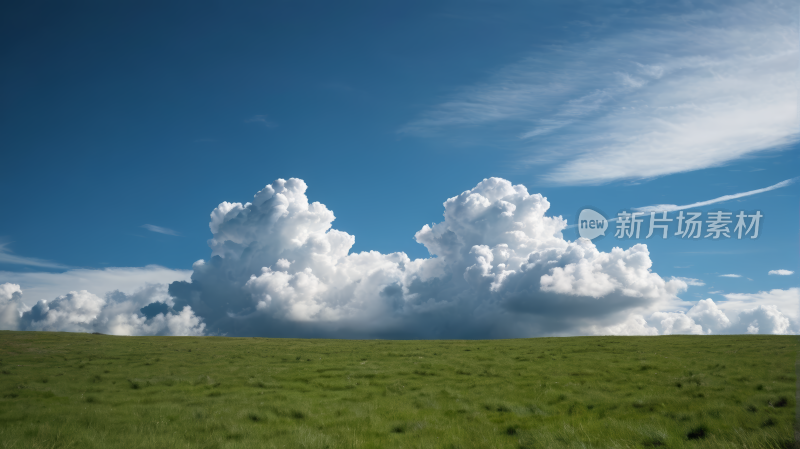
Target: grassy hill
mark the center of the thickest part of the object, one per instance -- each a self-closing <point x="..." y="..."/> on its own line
<point x="96" y="391"/>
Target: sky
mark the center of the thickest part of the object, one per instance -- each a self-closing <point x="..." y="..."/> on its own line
<point x="397" y="169"/>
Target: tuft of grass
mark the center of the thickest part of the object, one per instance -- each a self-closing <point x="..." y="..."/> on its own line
<point x="780" y="402"/>
<point x="697" y="433"/>
<point x="769" y="422"/>
<point x="654" y="442"/>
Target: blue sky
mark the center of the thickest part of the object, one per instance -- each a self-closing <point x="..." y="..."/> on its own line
<point x="124" y="125"/>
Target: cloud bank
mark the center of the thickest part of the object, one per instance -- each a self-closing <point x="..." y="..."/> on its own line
<point x="45" y="285"/>
<point x="669" y="94"/>
<point x="499" y="268"/>
<point x="116" y="314"/>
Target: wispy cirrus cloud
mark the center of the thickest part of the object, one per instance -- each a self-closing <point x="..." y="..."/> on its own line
<point x="261" y="120"/>
<point x="671" y="94"/>
<point x="730" y="275"/>
<point x="160" y="230"/>
<point x="6" y="257"/>
<point x="673" y="207"/>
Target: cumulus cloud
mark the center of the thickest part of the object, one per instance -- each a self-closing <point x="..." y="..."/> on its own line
<point x="499" y="266"/>
<point x="788" y="301"/>
<point x="766" y="319"/>
<point x="668" y="323"/>
<point x="781" y="272"/>
<point x="763" y="313"/>
<point x="634" y="324"/>
<point x="115" y="314"/>
<point x="773" y="312"/>
<point x="707" y="314"/>
<point x="10" y="304"/>
<point x="108" y="301"/>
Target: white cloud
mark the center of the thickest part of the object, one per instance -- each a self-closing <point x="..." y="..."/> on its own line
<point x="670" y="94"/>
<point x="160" y="230"/>
<point x="669" y="323"/>
<point x="39" y="285"/>
<point x="781" y="272"/>
<point x="116" y="314"/>
<point x="261" y="120"/>
<point x="773" y="312"/>
<point x="763" y="320"/>
<point x="690" y="281"/>
<point x="36" y="301"/>
<point x="730" y="275"/>
<point x="6" y="257"/>
<point x="707" y="314"/>
<point x="634" y="324"/>
<point x="673" y="207"/>
<point x="788" y="301"/>
<point x="499" y="267"/>
<point x="10" y="304"/>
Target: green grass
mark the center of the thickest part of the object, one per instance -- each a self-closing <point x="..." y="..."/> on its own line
<point x="96" y="391"/>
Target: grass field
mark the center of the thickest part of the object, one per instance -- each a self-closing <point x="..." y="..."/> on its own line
<point x="96" y="391"/>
